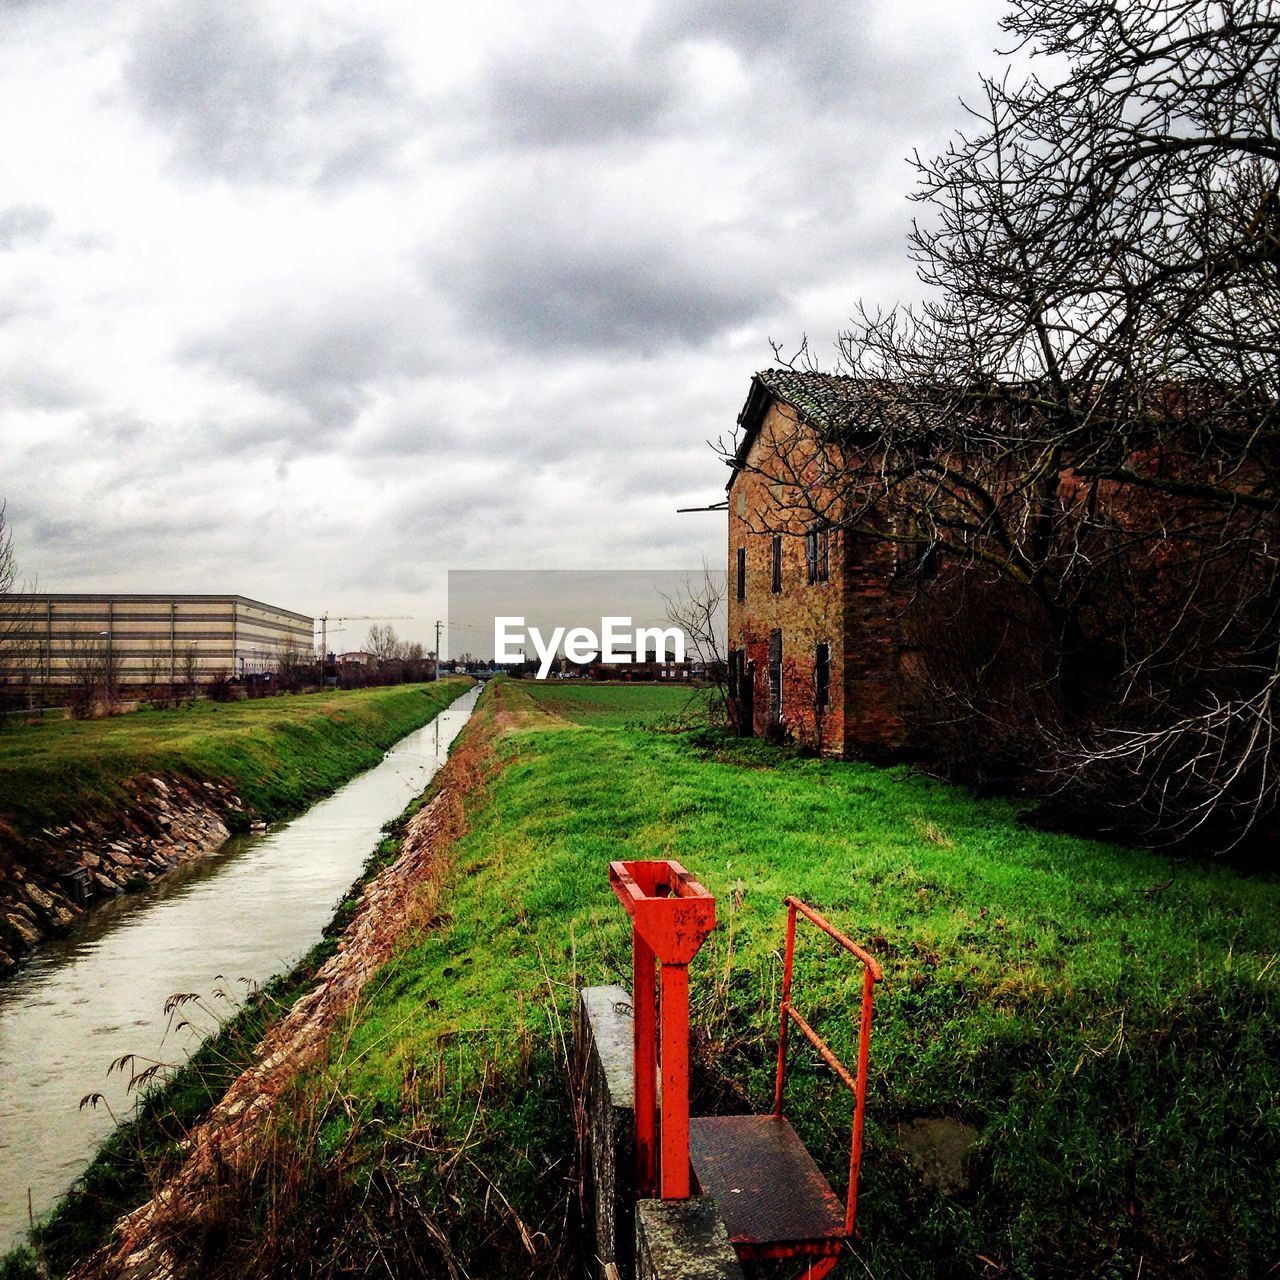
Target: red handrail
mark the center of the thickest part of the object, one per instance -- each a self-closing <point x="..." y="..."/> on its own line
<point x="872" y="973"/>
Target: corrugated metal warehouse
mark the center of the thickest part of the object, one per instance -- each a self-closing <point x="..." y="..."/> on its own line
<point x="151" y="637"/>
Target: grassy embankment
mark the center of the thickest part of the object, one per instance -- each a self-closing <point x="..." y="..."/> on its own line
<point x="280" y="754"/>
<point x="1106" y="1019"/>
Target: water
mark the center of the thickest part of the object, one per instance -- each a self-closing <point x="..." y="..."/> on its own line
<point x="241" y="915"/>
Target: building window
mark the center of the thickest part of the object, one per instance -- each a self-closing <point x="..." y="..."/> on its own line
<point x="775" y="676"/>
<point x="817" y="553"/>
<point x="742" y="573"/>
<point x="919" y="557"/>
<point x="777" y="562"/>
<point x="822" y="677"/>
<point x="914" y="552"/>
<point x="930" y="561"/>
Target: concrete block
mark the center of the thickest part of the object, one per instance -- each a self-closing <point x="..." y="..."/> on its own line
<point x="603" y="1066"/>
<point x="683" y="1240"/>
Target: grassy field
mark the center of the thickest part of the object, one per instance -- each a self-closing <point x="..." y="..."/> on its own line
<point x="1105" y="1020"/>
<point x="280" y="754"/>
<point x="619" y="706"/>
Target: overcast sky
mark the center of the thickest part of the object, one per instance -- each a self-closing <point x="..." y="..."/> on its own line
<point x="313" y="302"/>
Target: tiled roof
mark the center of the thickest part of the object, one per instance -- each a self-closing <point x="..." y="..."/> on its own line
<point x="827" y="400"/>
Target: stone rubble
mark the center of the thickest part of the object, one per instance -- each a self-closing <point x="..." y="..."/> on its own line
<point x="168" y="823"/>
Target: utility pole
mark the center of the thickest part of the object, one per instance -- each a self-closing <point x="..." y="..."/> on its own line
<point x="353" y="617"/>
<point x="439" y="624"/>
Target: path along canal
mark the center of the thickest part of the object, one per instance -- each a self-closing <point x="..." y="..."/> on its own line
<point x="237" y="917"/>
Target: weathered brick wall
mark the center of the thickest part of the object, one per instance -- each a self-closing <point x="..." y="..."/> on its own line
<point x="856" y="611"/>
<point x="875" y="598"/>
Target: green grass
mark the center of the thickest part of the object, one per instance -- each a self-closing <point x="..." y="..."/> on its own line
<point x="143" y="1149"/>
<point x="280" y="754"/>
<point x="1107" y="1019"/>
<point x="616" y="706"/>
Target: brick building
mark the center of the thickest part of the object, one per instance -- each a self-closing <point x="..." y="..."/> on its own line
<point x="814" y="649"/>
<point x="898" y="580"/>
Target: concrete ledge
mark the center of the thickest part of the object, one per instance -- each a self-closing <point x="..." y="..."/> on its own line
<point x="602" y="1046"/>
<point x="683" y="1240"/>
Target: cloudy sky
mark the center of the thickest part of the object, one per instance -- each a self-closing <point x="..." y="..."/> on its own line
<point x="313" y="302"/>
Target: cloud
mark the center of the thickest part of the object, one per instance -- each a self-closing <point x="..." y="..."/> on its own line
<point x="314" y="301"/>
<point x="324" y="352"/>
<point x="542" y="259"/>
<point x="246" y="101"/>
<point x="818" y="49"/>
<point x="22" y="224"/>
<point x="884" y="64"/>
<point x="574" y="87"/>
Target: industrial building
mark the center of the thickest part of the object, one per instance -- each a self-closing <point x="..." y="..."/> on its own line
<point x="45" y="639"/>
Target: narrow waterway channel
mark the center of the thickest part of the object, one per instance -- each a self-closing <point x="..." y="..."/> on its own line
<point x="238" y="917"/>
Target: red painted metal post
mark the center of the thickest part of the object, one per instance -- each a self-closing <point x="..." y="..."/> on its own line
<point x="674" y="1164"/>
<point x="645" y="1063"/>
<point x="823" y="1267"/>
<point x="787" y="964"/>
<point x="671" y="916"/>
<point x="860" y="1096"/>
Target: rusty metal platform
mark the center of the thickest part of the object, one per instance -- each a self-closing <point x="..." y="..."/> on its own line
<point x="770" y="1193"/>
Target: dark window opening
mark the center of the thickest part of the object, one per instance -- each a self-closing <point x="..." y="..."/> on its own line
<point x="742" y="573"/>
<point x="775" y="676"/>
<point x="919" y="557"/>
<point x="735" y="664"/>
<point x="777" y="562"/>
<point x="822" y="676"/>
<point x="905" y="553"/>
<point x="930" y="561"/>
<point x="817" y="553"/>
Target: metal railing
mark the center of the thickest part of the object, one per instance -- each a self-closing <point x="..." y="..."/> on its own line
<point x="857" y="1083"/>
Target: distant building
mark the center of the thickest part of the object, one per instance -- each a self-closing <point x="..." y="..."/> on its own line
<point x="356" y="658"/>
<point x="645" y="666"/>
<point x="152" y="638"/>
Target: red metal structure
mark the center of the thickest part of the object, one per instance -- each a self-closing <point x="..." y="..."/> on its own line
<point x="671" y="916"/>
<point x="772" y="1196"/>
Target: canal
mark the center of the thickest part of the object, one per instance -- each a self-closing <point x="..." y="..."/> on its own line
<point x="222" y="924"/>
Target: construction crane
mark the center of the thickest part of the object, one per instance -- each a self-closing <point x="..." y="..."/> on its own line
<point x="354" y="617"/>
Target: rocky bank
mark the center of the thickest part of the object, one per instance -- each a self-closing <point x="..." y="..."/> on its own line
<point x="47" y="886"/>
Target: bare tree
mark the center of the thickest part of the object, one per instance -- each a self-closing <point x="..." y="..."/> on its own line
<point x="1085" y="408"/>
<point x="160" y="673"/>
<point x="189" y="671"/>
<point x="698" y="610"/>
<point x="383" y="643"/>
<point x="111" y="664"/>
<point x="87" y="674"/>
<point x="290" y="666"/>
<point x="388" y="651"/>
<point x="19" y="647"/>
